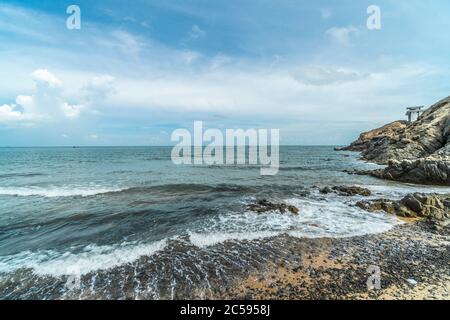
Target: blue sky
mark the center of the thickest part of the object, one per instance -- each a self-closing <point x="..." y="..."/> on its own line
<point x="137" y="70"/>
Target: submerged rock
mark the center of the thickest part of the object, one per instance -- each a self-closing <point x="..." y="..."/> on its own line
<point x="263" y="206"/>
<point x="347" y="191"/>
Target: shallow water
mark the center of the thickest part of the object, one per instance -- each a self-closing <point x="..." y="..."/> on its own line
<point x="114" y="214"/>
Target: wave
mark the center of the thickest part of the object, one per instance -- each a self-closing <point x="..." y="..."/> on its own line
<point x="297" y="168"/>
<point x="91" y="258"/>
<point x="20" y="175"/>
<point x="203" y="240"/>
<point x="185" y="188"/>
<point x="54" y="192"/>
<point x="398" y="191"/>
<point x="68" y="191"/>
<point x="316" y="220"/>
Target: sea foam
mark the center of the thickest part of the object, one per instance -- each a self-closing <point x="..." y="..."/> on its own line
<point x="53" y="192"/>
<point x="91" y="258"/>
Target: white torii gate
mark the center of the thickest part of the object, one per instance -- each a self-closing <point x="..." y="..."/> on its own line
<point x="411" y="111"/>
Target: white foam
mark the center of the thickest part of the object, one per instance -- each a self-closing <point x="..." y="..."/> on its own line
<point x="399" y="191"/>
<point x="316" y="219"/>
<point x="205" y="240"/>
<point x="53" y="192"/>
<point x="91" y="258"/>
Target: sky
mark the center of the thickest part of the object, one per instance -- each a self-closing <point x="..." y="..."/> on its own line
<point x="137" y="70"/>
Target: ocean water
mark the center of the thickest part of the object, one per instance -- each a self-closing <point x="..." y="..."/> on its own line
<point x="125" y="222"/>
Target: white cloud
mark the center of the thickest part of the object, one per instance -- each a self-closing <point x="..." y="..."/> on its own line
<point x="318" y="75"/>
<point x="190" y="56"/>
<point x="127" y="43"/>
<point x="44" y="76"/>
<point x="27" y="102"/>
<point x="49" y="102"/>
<point x="71" y="111"/>
<point x="326" y="13"/>
<point x="196" y="32"/>
<point x="8" y="113"/>
<point x="98" y="89"/>
<point x="342" y="35"/>
<point x="349" y="94"/>
<point x="220" y="61"/>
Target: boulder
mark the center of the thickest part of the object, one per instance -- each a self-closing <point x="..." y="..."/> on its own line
<point x="346" y="191"/>
<point x="430" y="170"/>
<point x="263" y="206"/>
<point x="432" y="206"/>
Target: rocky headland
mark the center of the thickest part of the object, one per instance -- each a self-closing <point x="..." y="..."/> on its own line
<point x="416" y="152"/>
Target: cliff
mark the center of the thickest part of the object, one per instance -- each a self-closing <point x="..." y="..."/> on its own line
<point x="417" y="152"/>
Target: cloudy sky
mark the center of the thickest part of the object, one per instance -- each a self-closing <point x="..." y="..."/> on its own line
<point x="137" y="70"/>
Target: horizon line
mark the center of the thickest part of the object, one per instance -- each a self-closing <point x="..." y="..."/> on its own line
<point x="164" y="146"/>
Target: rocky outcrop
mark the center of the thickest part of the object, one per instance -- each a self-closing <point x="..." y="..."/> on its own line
<point x="263" y="206"/>
<point x="368" y="141"/>
<point x="346" y="191"/>
<point x="418" y="152"/>
<point x="431" y="206"/>
<point x="429" y="170"/>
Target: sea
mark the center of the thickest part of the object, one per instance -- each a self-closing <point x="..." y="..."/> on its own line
<point x="127" y="223"/>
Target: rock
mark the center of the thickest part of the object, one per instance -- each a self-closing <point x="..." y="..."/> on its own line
<point x="417" y="152"/>
<point x="388" y="206"/>
<point x="446" y="203"/>
<point x="411" y="282"/>
<point x="367" y="140"/>
<point x="412" y="203"/>
<point x="428" y="170"/>
<point x="293" y="209"/>
<point x="326" y="190"/>
<point x="429" y="206"/>
<point x="263" y="206"/>
<point x="346" y="191"/>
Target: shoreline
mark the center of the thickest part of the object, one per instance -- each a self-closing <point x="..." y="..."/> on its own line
<point x="413" y="259"/>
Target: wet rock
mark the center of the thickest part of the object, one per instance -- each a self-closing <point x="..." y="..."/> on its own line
<point x="420" y="205"/>
<point x="388" y="206"/>
<point x="430" y="170"/>
<point x="412" y="203"/>
<point x="346" y="191"/>
<point x="263" y="206"/>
